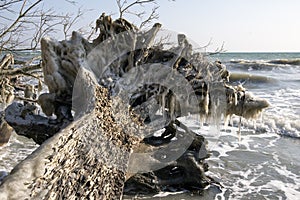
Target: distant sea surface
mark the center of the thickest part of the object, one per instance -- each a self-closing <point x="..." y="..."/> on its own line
<point x="264" y="161"/>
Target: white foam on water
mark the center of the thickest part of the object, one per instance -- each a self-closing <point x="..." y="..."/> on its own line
<point x="268" y="162"/>
<point x="282" y="170"/>
<point x="243" y="176"/>
<point x="17" y="149"/>
<point x="290" y="190"/>
<point x="283" y="117"/>
<point x="164" y="194"/>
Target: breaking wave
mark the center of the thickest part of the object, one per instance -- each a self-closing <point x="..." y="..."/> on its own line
<point x="263" y="64"/>
<point x="295" y="61"/>
<point x="243" y="77"/>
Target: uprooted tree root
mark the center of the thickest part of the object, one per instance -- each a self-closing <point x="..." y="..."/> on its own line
<point x="71" y="155"/>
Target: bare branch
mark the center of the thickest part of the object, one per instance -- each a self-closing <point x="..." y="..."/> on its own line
<point x="6" y="5"/>
<point x="88" y="31"/>
<point x="21" y="15"/>
<point x="23" y="5"/>
<point x="69" y="21"/>
<point x="127" y="7"/>
<point x="30" y="23"/>
<point x="71" y="2"/>
<point x="123" y="8"/>
<point x="218" y="50"/>
<point x="150" y="18"/>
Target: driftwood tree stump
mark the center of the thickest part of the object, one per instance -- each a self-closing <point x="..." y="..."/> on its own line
<point x="127" y="91"/>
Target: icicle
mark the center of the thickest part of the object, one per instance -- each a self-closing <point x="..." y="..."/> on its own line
<point x="261" y="117"/>
<point x="226" y="121"/>
<point x="254" y="124"/>
<point x="163" y="104"/>
<point x="40" y="87"/>
<point x="239" y="131"/>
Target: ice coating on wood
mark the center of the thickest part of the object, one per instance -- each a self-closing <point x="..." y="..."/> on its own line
<point x="121" y="72"/>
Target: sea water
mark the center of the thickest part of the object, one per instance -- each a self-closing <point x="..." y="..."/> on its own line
<point x="263" y="161"/>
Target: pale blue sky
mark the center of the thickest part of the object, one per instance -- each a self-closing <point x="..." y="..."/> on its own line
<point x="243" y="25"/>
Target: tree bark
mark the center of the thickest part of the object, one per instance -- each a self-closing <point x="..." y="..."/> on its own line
<point x="88" y="159"/>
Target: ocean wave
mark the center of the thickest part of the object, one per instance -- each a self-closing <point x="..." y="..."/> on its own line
<point x="295" y="61"/>
<point x="262" y="64"/>
<point x="244" y="61"/>
<point x="278" y="125"/>
<point x="246" y="77"/>
<point x="283" y="126"/>
<point x="250" y="64"/>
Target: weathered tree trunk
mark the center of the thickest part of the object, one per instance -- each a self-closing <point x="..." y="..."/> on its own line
<point x="88" y="159"/>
